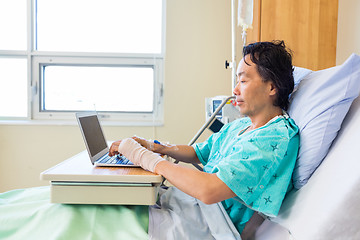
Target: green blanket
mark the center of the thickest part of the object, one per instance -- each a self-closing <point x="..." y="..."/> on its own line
<point x="28" y="214"/>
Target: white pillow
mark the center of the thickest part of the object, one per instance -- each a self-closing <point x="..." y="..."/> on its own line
<point x="318" y="105"/>
<point x="299" y="74"/>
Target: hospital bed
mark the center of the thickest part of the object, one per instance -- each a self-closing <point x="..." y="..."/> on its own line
<point x="323" y="205"/>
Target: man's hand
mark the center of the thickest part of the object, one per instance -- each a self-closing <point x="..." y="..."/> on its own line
<point x="149" y="145"/>
<point x="137" y="154"/>
<point x="114" y="149"/>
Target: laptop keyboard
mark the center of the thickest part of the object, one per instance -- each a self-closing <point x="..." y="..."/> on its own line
<point x="118" y="159"/>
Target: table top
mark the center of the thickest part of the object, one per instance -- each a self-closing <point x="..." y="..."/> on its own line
<point x="80" y="169"/>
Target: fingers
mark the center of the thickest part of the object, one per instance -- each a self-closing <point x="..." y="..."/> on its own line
<point x="142" y="141"/>
<point x="136" y="138"/>
<point x="139" y="155"/>
<point x="139" y="139"/>
<point x="114" y="148"/>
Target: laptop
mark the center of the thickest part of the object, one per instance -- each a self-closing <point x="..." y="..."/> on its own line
<point x="95" y="142"/>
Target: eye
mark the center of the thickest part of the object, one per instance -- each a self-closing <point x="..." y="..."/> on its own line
<point x="240" y="80"/>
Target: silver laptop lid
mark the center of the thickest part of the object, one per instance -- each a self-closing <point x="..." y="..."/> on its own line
<point x="93" y="135"/>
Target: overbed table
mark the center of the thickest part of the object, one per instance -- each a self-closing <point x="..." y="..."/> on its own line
<point x="77" y="181"/>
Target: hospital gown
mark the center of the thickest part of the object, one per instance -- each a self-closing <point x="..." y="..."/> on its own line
<point x="257" y="165"/>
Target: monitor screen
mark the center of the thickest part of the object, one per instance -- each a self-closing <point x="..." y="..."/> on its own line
<point x="93" y="134"/>
<point x="216" y="104"/>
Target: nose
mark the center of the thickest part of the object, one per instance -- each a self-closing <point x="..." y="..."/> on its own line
<point x="236" y="90"/>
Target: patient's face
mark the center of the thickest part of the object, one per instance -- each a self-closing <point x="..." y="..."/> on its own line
<point x="253" y="95"/>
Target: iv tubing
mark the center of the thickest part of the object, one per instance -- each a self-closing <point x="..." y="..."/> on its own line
<point x="233" y="44"/>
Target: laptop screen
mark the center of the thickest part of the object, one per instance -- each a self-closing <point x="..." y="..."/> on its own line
<point x="93" y="134"/>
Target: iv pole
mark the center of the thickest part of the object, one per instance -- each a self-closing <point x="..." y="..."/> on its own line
<point x="244" y="17"/>
<point x="233" y="45"/>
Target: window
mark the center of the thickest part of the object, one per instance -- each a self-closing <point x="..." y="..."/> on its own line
<point x="13" y="25"/>
<point x="103" y="55"/>
<point x="125" y="26"/>
<point x="13" y="91"/>
<point x="119" y="89"/>
<point x="97" y="87"/>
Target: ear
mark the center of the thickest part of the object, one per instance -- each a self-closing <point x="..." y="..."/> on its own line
<point x="272" y="89"/>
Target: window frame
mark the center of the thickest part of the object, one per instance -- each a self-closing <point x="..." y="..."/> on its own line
<point x="37" y="59"/>
<point x="136" y="118"/>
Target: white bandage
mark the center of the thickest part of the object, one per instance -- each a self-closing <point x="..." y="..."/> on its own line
<point x="139" y="155"/>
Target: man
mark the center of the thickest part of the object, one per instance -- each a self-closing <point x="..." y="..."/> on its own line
<point x="249" y="163"/>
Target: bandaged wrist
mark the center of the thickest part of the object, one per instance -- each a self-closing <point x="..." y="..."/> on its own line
<point x="139" y="155"/>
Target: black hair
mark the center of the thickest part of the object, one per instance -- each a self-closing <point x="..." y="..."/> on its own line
<point x="274" y="63"/>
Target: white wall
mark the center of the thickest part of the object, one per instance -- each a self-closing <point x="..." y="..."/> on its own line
<point x="198" y="41"/>
<point x="348" y="37"/>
